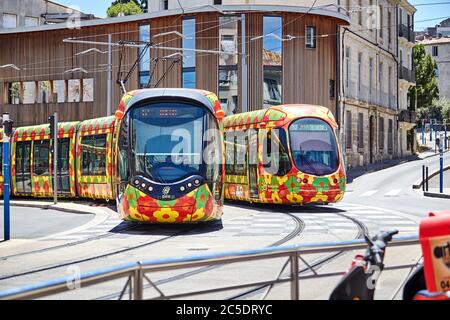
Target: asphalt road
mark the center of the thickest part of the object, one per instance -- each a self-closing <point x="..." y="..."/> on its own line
<point x="32" y="223"/>
<point x="392" y="188"/>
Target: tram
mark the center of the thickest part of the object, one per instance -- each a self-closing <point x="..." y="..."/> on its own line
<point x="286" y="154"/>
<point x="160" y="156"/>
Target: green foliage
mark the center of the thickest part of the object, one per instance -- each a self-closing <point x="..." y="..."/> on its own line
<point x="426" y="82"/>
<point x="438" y="109"/>
<point x="129" y="8"/>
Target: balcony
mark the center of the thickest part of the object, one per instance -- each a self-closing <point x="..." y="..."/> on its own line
<point x="407" y="116"/>
<point x="406" y="74"/>
<point x="406" y="32"/>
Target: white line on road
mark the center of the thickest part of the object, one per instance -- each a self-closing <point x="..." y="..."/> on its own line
<point x="369" y="193"/>
<point x="393" y="193"/>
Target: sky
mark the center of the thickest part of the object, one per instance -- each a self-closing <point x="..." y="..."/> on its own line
<point x="436" y="10"/>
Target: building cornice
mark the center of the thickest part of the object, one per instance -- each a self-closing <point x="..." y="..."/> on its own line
<point x="228" y="9"/>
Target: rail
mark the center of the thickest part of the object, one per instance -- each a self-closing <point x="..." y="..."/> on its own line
<point x="136" y="273"/>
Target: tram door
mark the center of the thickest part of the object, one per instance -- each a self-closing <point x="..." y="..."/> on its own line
<point x="253" y="163"/>
<point x="63" y="166"/>
<point x="23" y="170"/>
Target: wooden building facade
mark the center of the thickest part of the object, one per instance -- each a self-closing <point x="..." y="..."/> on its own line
<point x="41" y="73"/>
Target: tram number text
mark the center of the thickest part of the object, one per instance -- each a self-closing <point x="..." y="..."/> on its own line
<point x="445" y="285"/>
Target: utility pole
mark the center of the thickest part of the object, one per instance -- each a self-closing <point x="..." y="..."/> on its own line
<point x="7" y="131"/>
<point x="109" y="82"/>
<point x="244" y="75"/>
<point x="53" y="121"/>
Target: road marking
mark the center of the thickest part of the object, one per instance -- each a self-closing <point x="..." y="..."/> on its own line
<point x="393" y="193"/>
<point x="369" y="193"/>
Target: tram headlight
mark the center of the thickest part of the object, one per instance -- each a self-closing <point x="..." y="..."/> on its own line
<point x="136" y="182"/>
<point x="189" y="185"/>
<point x="196" y="182"/>
<point x="143" y="185"/>
<point x="150" y="189"/>
<point x="182" y="188"/>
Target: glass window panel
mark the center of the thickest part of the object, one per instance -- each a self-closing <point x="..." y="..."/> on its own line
<point x="29" y="92"/>
<point x="228" y="89"/>
<point x="44" y="91"/>
<point x="228" y="35"/>
<point x="272" y="86"/>
<point x="9" y="20"/>
<point x="189" y="43"/>
<point x="41" y="162"/>
<point x="59" y="90"/>
<point x="189" y="78"/>
<point x="144" y="35"/>
<point x="88" y="90"/>
<point x="14" y="93"/>
<point x="31" y="21"/>
<point x="74" y="90"/>
<point x="272" y="43"/>
<point x="93" y="155"/>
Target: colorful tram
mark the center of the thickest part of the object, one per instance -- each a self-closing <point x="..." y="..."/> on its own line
<point x="149" y="157"/>
<point x="286" y="154"/>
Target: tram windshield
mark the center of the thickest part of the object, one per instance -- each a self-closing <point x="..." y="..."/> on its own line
<point x="313" y="146"/>
<point x="168" y="140"/>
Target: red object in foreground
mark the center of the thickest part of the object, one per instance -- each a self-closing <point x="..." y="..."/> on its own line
<point x="435" y="241"/>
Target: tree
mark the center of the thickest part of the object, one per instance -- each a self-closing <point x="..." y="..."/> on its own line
<point x="131" y="7"/>
<point x="426" y="83"/>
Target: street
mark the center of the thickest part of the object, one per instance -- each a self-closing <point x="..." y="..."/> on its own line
<point x="382" y="200"/>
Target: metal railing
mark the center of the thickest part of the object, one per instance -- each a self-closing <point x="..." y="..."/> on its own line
<point x="136" y="274"/>
<point x="363" y="93"/>
<point x="406" y="32"/>
<point x="407" y="116"/>
<point x="406" y="74"/>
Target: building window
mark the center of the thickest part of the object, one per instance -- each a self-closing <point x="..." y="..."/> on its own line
<point x="14" y="94"/>
<point x="228" y="64"/>
<point x="435" y="51"/>
<point x="59" y="91"/>
<point x="390" y="98"/>
<point x="88" y="90"/>
<point x="360" y="10"/>
<point x="74" y="90"/>
<point x="217" y="2"/>
<point x="381" y="132"/>
<point x="272" y="61"/>
<point x="93" y="155"/>
<point x="332" y="88"/>
<point x="348" y="130"/>
<point x="360" y="131"/>
<point x="144" y="63"/>
<point x="31" y="22"/>
<point x="370" y="77"/>
<point x="390" y="136"/>
<point x="310" y="37"/>
<point x="347" y="67"/>
<point x="381" y="25"/>
<point x="44" y="92"/>
<point x="380" y="77"/>
<point x="389" y="28"/>
<point x="41" y="162"/>
<point x="165" y="4"/>
<point x="359" y="73"/>
<point x="188" y="74"/>
<point x="9" y="21"/>
<point x="29" y="92"/>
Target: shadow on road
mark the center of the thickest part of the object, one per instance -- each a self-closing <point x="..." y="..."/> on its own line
<point x="159" y="229"/>
<point x="281" y="208"/>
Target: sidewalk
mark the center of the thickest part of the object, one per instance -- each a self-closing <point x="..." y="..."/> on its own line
<point x="65" y="206"/>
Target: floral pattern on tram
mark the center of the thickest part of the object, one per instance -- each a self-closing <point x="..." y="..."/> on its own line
<point x="197" y="206"/>
<point x="42" y="185"/>
<point x="91" y="184"/>
<point x="295" y="187"/>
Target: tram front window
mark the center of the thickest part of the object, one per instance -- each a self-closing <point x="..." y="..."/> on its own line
<point x="313" y="146"/>
<point x="167" y="140"/>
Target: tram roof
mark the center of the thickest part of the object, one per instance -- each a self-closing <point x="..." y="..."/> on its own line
<point x="207" y="98"/>
<point x="29" y="132"/>
<point x="279" y="113"/>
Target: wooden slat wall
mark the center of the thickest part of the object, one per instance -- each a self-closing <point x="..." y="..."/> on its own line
<point x="254" y="24"/>
<point x="306" y="72"/>
<point x="207" y="64"/>
<point x="159" y="26"/>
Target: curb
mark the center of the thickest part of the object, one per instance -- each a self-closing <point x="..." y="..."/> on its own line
<point x="49" y="207"/>
<point x="436" y="195"/>
<point x="418" y="184"/>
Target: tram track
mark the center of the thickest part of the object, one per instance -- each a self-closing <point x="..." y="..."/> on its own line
<point x="298" y="229"/>
<point x="103" y="255"/>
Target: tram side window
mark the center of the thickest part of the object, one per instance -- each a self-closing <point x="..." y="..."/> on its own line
<point x="93" y="155"/>
<point x="229" y="152"/>
<point x="275" y="156"/>
<point x="41" y="162"/>
<point x="240" y="149"/>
